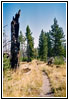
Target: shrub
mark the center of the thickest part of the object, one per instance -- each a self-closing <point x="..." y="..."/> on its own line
<point x="21" y="59"/>
<point x="6" y="62"/>
<point x="24" y="59"/>
<point x="58" y="60"/>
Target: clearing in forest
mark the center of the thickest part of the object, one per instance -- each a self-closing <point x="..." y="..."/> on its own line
<point x="35" y="79"/>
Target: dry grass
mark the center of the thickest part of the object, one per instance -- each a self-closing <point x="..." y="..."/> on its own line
<point x="22" y="84"/>
<point x="57" y="78"/>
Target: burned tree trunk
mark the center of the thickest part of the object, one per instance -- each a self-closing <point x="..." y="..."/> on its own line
<point x="15" y="45"/>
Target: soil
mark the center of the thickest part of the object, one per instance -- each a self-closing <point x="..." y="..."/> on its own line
<point x="46" y="87"/>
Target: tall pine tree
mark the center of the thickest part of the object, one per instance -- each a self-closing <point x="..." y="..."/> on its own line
<point x="21" y="38"/>
<point x="49" y="44"/>
<point x="22" y="45"/>
<point x="30" y="44"/>
<point x="42" y="46"/>
<point x="57" y="37"/>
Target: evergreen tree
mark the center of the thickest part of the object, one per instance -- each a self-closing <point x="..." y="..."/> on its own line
<point x="21" y="38"/>
<point x="42" y="46"/>
<point x="49" y="44"/>
<point x="35" y="53"/>
<point x="30" y="44"/>
<point x="22" y="45"/>
<point x="64" y="48"/>
<point x="57" y="37"/>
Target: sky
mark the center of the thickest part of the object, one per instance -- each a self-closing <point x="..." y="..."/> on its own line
<point x="37" y="15"/>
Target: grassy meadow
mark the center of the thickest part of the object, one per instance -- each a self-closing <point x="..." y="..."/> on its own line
<point x="28" y="83"/>
<point x="57" y="77"/>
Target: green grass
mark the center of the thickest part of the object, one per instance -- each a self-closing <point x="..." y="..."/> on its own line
<point x="6" y="62"/>
<point x="58" y="60"/>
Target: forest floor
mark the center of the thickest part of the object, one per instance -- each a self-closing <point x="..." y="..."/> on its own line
<point x="35" y="79"/>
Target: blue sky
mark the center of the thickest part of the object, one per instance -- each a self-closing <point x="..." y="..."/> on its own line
<point x="37" y="15"/>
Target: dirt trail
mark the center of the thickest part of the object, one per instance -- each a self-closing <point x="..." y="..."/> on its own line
<point x="46" y="88"/>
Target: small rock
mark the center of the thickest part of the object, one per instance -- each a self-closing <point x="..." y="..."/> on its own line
<point x="50" y="61"/>
<point x="26" y="70"/>
<point x="57" y="66"/>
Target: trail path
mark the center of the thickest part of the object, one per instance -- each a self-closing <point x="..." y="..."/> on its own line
<point x="46" y="88"/>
